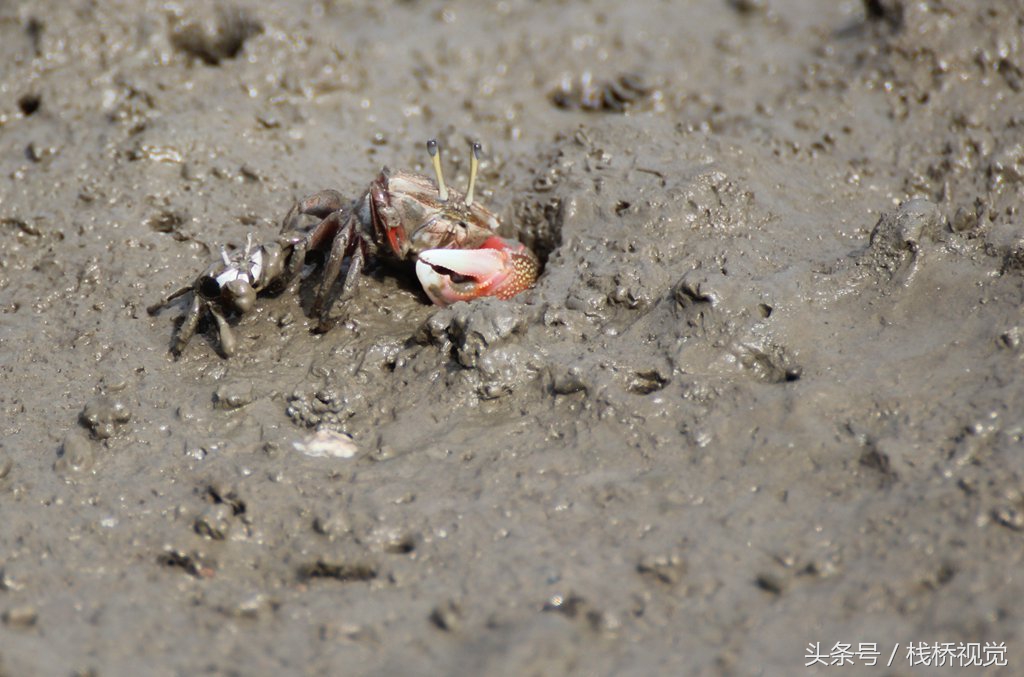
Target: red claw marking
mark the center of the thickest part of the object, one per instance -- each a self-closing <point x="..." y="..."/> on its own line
<point x="499" y="268"/>
<point x="396" y="238"/>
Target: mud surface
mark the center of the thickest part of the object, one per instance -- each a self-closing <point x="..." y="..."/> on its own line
<point x="767" y="391"/>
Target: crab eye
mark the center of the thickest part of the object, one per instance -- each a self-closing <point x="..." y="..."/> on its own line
<point x="208" y="287"/>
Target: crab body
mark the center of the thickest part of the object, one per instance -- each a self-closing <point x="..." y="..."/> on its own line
<point x="402" y="209"/>
<point x="229" y="285"/>
<point x="409" y="218"/>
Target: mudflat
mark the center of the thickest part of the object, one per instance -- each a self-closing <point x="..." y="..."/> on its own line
<point x="762" y="409"/>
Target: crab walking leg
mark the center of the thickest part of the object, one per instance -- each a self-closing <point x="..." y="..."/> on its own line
<point x="355" y="266"/>
<point x="166" y="301"/>
<point x="322" y="204"/>
<point x="499" y="269"/>
<point x="291" y="277"/>
<point x="315" y="240"/>
<point x="188" y="327"/>
<point x="335" y="259"/>
<point x="227" y="337"/>
<point x="290" y="222"/>
<point x="297" y="245"/>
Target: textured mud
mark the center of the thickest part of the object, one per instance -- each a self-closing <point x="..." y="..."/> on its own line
<point x="767" y="391"/>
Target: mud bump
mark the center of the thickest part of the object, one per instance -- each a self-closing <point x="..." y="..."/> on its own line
<point x="75" y="455"/>
<point x="566" y="381"/>
<point x="20" y="225"/>
<point x="20" y="617"/>
<point x="469" y="331"/>
<point x="617" y="94"/>
<point x="647" y="382"/>
<point x="1009" y="515"/>
<point x="575" y="607"/>
<point x="332" y="524"/>
<point x="904" y="229"/>
<point x="340" y="571"/>
<point x="231" y="396"/>
<point x="879" y="461"/>
<point x="770" y="364"/>
<point x="965" y="219"/>
<point x="327" y="406"/>
<point x="104" y="415"/>
<point x="229" y="497"/>
<point x="446" y="617"/>
<point x="215" y="38"/>
<point x="638" y="286"/>
<point x="569" y="606"/>
<point x="165" y="221"/>
<point x="695" y="288"/>
<point x="1012" y="339"/>
<point x="770" y="583"/>
<point x="193" y="564"/>
<point x="667" y="569"/>
<point x="6" y="465"/>
<point x="215" y="522"/>
<point x="939" y="578"/>
<point x="749" y="6"/>
<point x="401" y="544"/>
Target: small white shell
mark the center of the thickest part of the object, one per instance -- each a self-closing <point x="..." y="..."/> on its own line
<point x="326" y="443"/>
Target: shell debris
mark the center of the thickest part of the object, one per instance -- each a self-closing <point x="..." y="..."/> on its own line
<point x="327" y="443"/>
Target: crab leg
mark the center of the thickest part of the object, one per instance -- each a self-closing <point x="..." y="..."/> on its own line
<point x="320" y="205"/>
<point x="355" y="266"/>
<point x="335" y="259"/>
<point x="188" y="327"/>
<point x="323" y="203"/>
<point x="227" y="338"/>
<point x="500" y="268"/>
<point x="165" y="301"/>
<point x="327" y="204"/>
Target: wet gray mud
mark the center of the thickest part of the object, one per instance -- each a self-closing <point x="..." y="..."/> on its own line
<point x="767" y="392"/>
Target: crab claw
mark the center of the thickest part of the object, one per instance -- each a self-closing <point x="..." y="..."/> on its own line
<point x="497" y="269"/>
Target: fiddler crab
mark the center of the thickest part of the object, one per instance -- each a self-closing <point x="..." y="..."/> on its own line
<point x="230" y="285"/>
<point x="402" y="217"/>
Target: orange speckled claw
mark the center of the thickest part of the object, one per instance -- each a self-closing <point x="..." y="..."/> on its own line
<point x="500" y="268"/>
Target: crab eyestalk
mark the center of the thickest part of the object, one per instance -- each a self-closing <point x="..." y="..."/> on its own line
<point x="499" y="268"/>
<point x="474" y="165"/>
<point x="435" y="159"/>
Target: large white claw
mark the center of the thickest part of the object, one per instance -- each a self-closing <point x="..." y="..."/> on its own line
<point x="450" y="275"/>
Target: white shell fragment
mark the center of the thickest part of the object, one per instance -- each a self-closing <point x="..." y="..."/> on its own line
<point x="326" y="443"/>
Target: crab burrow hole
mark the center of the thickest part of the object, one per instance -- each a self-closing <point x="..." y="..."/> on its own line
<point x="538" y="219"/>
